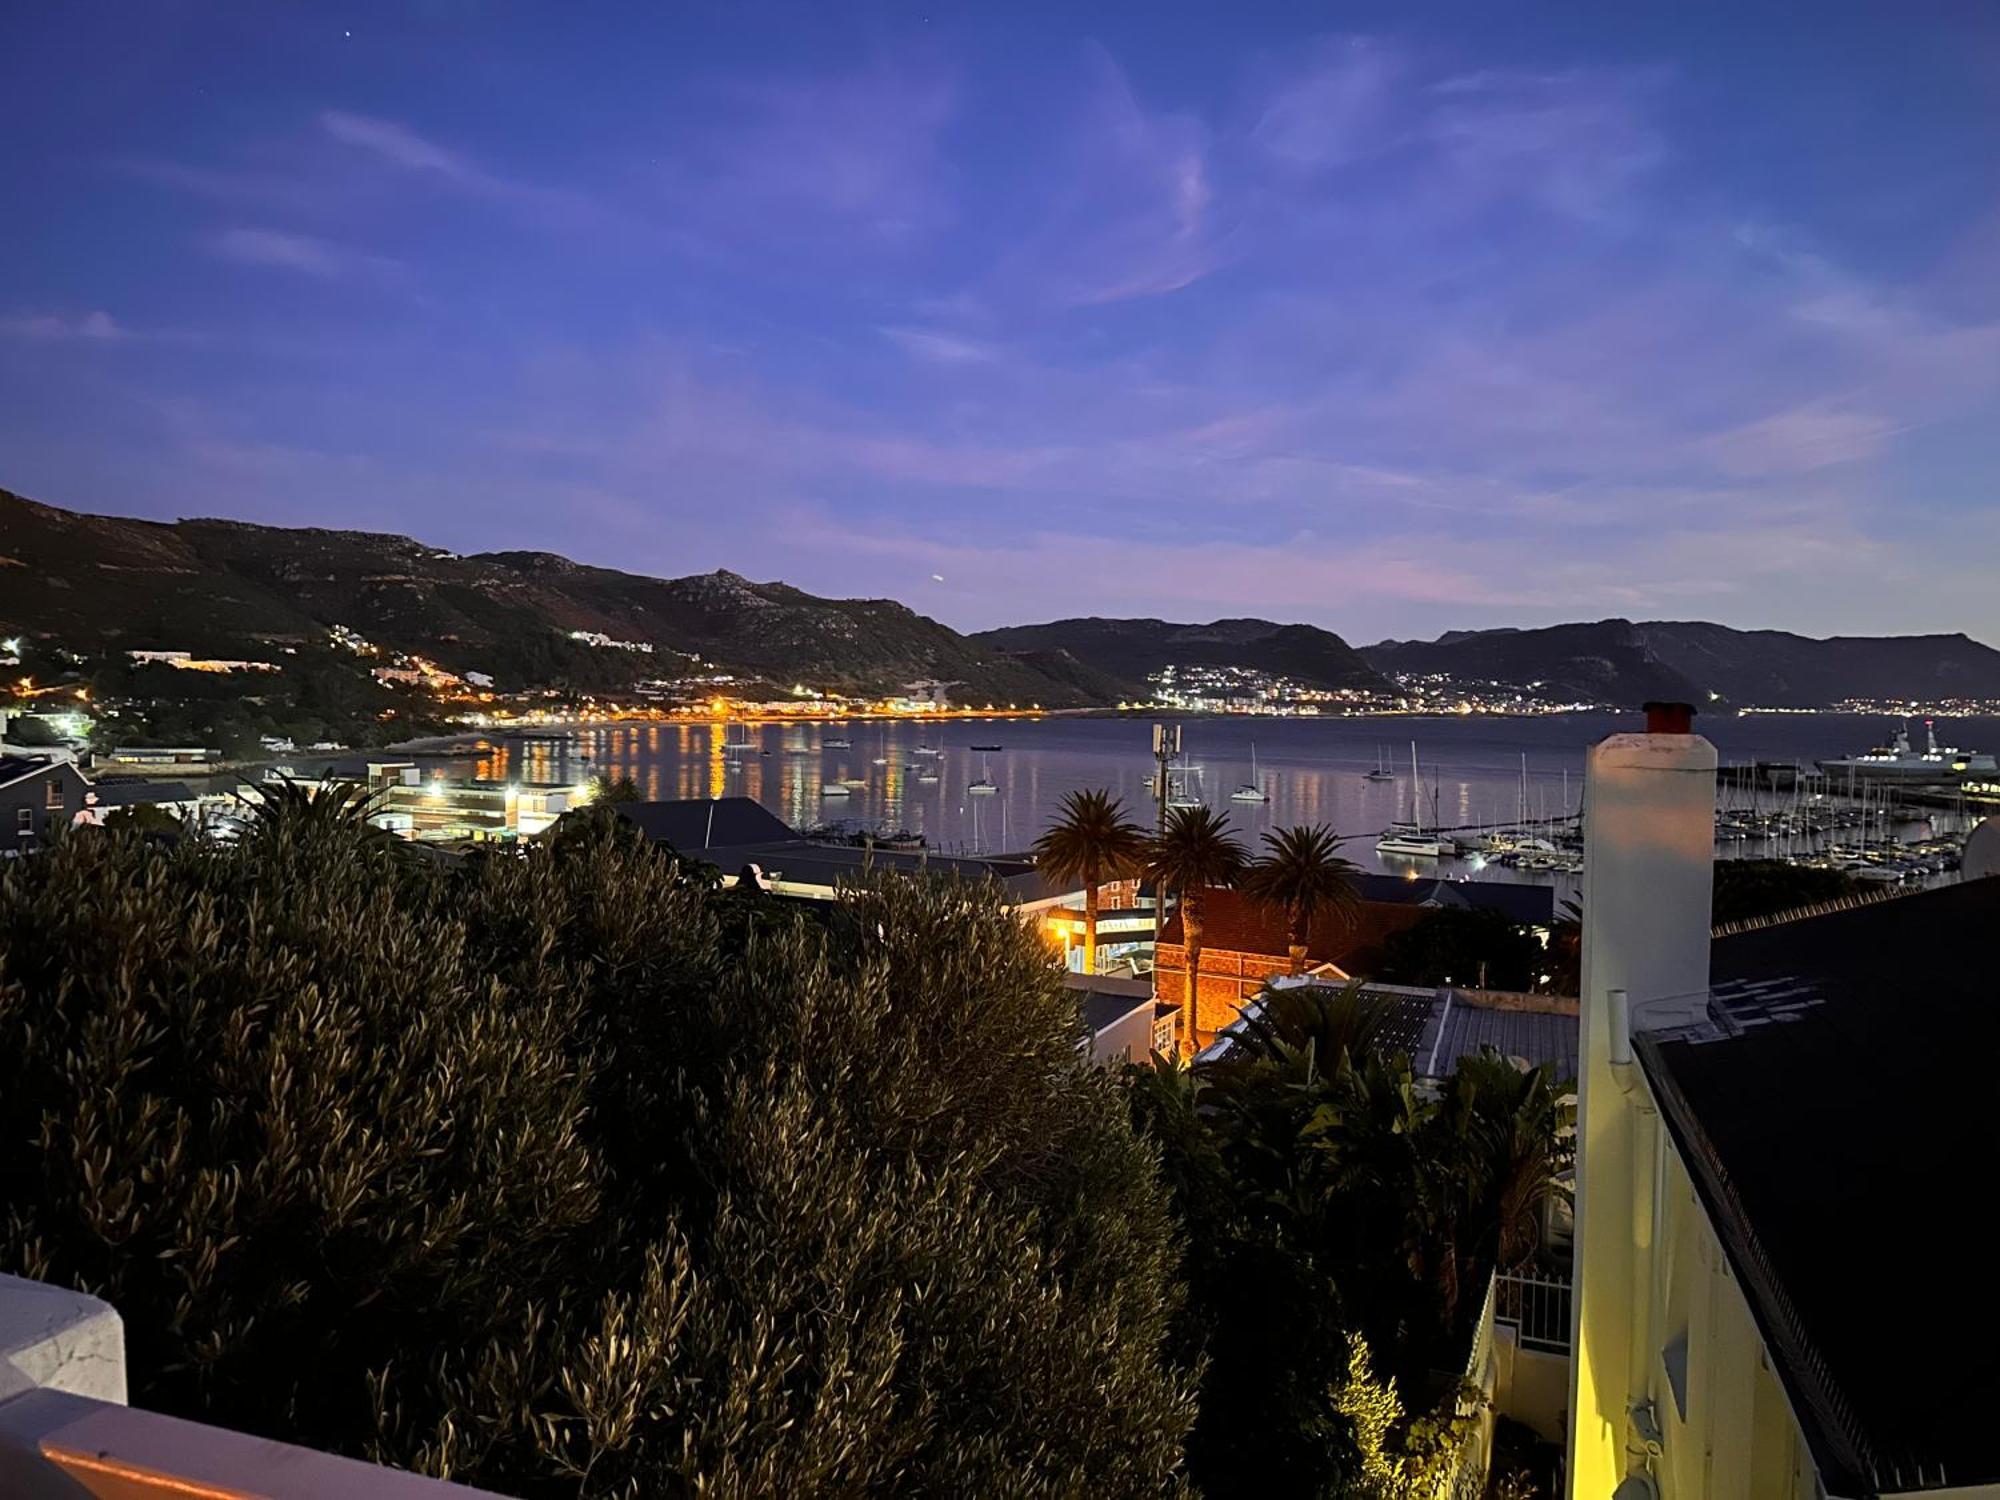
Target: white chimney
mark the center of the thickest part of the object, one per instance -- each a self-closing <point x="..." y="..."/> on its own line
<point x="1649" y="857"/>
<point x="1649" y="862"/>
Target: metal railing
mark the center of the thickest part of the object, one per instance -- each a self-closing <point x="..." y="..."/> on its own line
<point x="1539" y="1308"/>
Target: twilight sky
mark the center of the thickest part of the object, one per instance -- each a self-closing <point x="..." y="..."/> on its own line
<point x="1393" y="318"/>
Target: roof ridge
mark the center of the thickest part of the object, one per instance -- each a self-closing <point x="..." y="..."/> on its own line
<point x="1848" y="902"/>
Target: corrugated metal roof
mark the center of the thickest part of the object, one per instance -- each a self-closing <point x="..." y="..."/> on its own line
<point x="1456" y="1029"/>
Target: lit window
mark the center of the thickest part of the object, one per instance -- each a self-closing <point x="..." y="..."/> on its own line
<point x="54" y="794"/>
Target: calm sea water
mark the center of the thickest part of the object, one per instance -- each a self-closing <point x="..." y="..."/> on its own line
<point x="1471" y="768"/>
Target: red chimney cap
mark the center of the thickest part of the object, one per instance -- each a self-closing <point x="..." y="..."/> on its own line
<point x="1670" y="718"/>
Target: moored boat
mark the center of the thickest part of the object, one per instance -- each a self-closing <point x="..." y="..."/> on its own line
<point x="1900" y="761"/>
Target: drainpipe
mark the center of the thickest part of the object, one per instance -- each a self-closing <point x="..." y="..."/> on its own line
<point x="1649" y="1167"/>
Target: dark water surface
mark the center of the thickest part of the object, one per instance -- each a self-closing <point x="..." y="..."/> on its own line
<point x="1312" y="768"/>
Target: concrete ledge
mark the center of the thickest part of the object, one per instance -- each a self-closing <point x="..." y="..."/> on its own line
<point x="58" y="1339"/>
<point x="56" y="1446"/>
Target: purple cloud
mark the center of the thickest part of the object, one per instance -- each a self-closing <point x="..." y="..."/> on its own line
<point x="306" y="254"/>
<point x="1387" y="332"/>
<point x="400" y="146"/>
<point x="856" y="152"/>
<point x="95" y="326"/>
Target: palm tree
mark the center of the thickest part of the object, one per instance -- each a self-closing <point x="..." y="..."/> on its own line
<point x="1195" y="853"/>
<point x="1302" y="874"/>
<point x="1090" y="842"/>
<point x="287" y="815"/>
<point x="615" y="789"/>
<point x="1336" y="1024"/>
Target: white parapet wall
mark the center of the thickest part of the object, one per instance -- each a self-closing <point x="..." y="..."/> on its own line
<point x="55" y="1339"/>
<point x="67" y="1434"/>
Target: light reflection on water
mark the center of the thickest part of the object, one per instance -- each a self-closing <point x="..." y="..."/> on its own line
<point x="1313" y="769"/>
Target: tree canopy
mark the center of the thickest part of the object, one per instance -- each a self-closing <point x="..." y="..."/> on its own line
<point x="1302" y="874"/>
<point x="563" y="1171"/>
<point x="1341" y="1221"/>
<point x="1091" y="841"/>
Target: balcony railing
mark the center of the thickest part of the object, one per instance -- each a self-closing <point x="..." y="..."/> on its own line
<point x="1539" y="1309"/>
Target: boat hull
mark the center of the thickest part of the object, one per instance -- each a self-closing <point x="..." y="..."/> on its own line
<point x="1928" y="774"/>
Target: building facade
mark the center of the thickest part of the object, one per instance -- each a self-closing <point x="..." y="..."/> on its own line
<point x="38" y="795"/>
<point x="1781" y="1280"/>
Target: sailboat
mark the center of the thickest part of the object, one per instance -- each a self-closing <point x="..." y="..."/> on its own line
<point x="743" y="746"/>
<point x="984" y="786"/>
<point x="1251" y="790"/>
<point x="1381" y="772"/>
<point x="1409" y="838"/>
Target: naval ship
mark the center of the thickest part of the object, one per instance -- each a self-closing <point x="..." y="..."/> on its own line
<point x="1897" y="761"/>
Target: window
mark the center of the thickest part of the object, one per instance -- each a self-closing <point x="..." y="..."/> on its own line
<point x="53" y="797"/>
<point x="24" y="822"/>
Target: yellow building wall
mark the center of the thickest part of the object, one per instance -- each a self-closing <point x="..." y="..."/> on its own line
<point x="1737" y="1439"/>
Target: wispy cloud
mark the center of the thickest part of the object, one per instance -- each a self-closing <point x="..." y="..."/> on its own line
<point x="1576" y="141"/>
<point x="1810" y="436"/>
<point x="1128" y="209"/>
<point x="399" y="145"/>
<point x="938" y="347"/>
<point x="1359" y="322"/>
<point x="1340" y="106"/>
<point x="403" y="149"/>
<point x="343" y="167"/>
<point x="836" y="159"/>
<point x="95" y="327"/>
<point x="306" y="254"/>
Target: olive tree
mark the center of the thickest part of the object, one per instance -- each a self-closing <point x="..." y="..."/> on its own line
<point x="566" y="1172"/>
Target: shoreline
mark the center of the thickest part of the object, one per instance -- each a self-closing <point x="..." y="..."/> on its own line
<point x="432" y="743"/>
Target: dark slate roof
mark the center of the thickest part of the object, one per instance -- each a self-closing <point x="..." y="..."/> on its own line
<point x="1528" y="905"/>
<point x="1105" y="1001"/>
<point x="131" y="793"/>
<point x="808" y="863"/>
<point x="1456" y="1029"/>
<point x="15" y="767"/>
<point x="696" y="824"/>
<point x="1832" y="1108"/>
<point x="1435" y="1028"/>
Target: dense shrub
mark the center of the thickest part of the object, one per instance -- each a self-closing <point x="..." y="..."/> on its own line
<point x="1342" y="1220"/>
<point x="566" y="1173"/>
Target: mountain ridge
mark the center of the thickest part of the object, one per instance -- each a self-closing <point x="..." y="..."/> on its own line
<point x="1622" y="661"/>
<point x="1128" y="651"/>
<point x="211" y="584"/>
